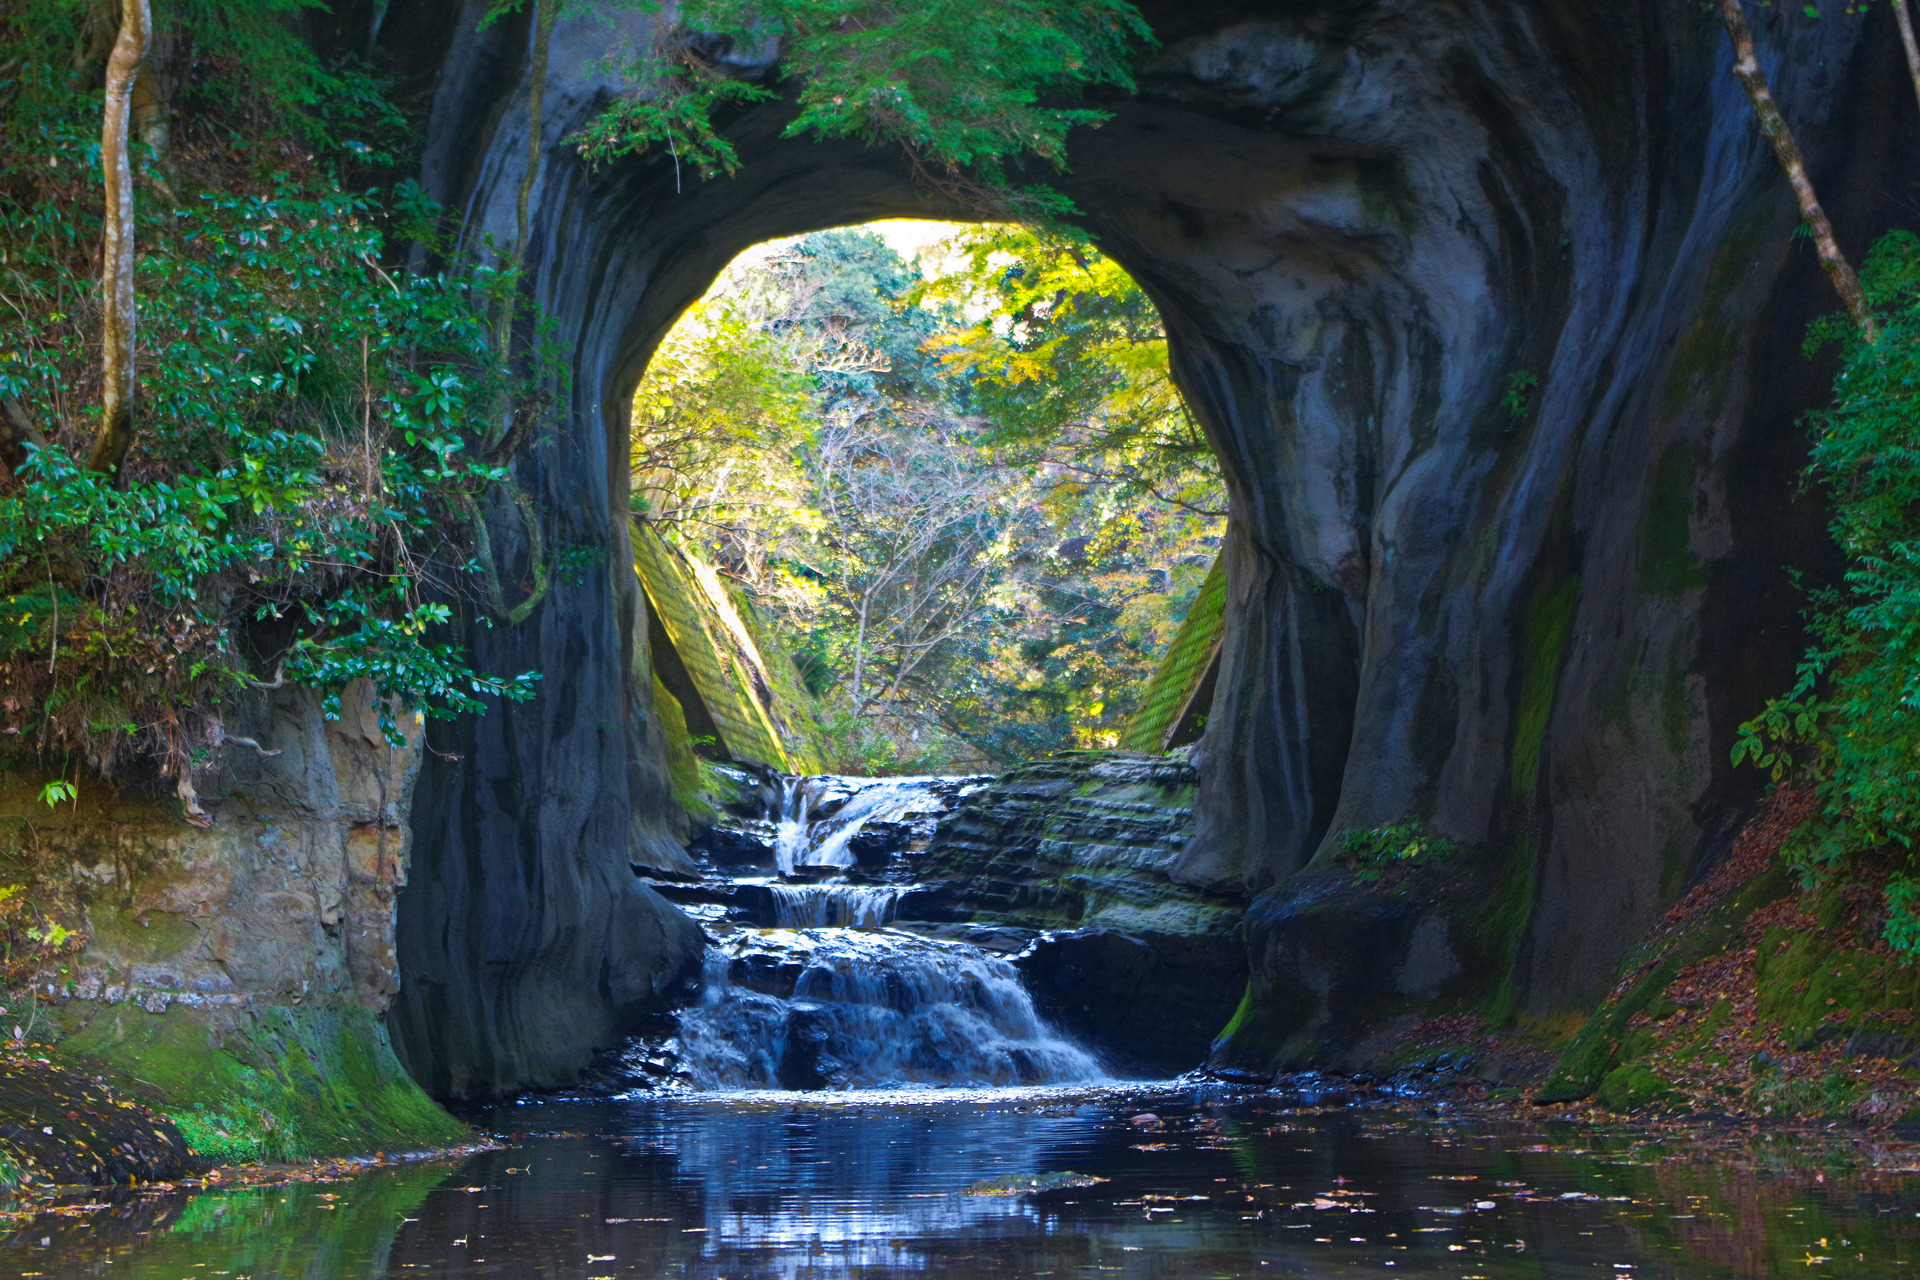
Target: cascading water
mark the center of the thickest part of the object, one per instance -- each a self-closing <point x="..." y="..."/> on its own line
<point x="819" y="817"/>
<point x="803" y="906"/>
<point x="829" y="997"/>
<point x="845" y="1008"/>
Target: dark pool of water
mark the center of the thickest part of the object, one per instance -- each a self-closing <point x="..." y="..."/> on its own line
<point x="798" y="1185"/>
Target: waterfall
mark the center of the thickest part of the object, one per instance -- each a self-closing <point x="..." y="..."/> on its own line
<point x="818" y="817"/>
<point x="790" y="838"/>
<point x="834" y="905"/>
<point x="829" y="997"/>
<point x="839" y="1009"/>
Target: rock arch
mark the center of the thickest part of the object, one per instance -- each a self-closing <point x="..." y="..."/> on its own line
<point x="1531" y="626"/>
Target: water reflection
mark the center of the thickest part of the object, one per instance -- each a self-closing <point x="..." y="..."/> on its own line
<point x="806" y="1185"/>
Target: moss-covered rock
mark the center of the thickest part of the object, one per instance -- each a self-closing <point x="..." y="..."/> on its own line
<point x="1348" y="959"/>
<point x="1173" y="706"/>
<point x="1758" y="998"/>
<point x="274" y="1083"/>
<point x="1632" y="1088"/>
<point x="1604" y="1039"/>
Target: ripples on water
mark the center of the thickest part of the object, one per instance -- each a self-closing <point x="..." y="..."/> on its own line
<point x="875" y="1185"/>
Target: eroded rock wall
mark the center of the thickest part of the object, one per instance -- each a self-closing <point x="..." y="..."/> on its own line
<point x="214" y="956"/>
<point x="1492" y="310"/>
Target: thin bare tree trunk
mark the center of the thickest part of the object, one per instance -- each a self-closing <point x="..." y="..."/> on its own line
<point x="116" y="267"/>
<point x="1913" y="46"/>
<point x="1745" y="66"/>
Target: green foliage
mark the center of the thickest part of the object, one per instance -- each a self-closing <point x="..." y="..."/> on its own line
<point x="1404" y="844"/>
<point x="1849" y="725"/>
<point x="58" y="792"/>
<point x="965" y="87"/>
<point x="1519" y="394"/>
<point x="1903" y="914"/>
<point x="308" y="412"/>
<point x="974" y="505"/>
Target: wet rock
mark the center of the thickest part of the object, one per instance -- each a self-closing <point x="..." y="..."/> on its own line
<point x="1006" y="940"/>
<point x="745" y="903"/>
<point x="1081" y="838"/>
<point x="1879" y="1042"/>
<point x="61" y="1128"/>
<point x="735" y="845"/>
<point x="1344" y="964"/>
<point x="1148" y="1004"/>
<point x="877" y="843"/>
<point x="807" y="1061"/>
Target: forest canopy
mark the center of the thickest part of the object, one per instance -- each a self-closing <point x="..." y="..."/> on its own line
<point x="963" y="491"/>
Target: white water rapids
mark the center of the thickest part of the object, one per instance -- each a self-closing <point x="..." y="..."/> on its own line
<point x="850" y="1009"/>
<point x="829" y="996"/>
<point x="809" y="832"/>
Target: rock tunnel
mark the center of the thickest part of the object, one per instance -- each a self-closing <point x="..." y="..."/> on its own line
<point x="1491" y="310"/>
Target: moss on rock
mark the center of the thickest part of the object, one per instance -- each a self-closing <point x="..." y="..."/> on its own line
<point x="277" y="1083"/>
<point x="1607" y="1036"/>
<point x="1633" y="1087"/>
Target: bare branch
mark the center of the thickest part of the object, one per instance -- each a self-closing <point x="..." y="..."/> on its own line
<point x="1774" y="126"/>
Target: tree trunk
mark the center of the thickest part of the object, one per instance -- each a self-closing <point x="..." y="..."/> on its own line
<point x="1745" y="66"/>
<point x="1905" y="20"/>
<point x="116" y="267"/>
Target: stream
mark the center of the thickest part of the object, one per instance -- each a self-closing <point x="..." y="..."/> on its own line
<point x="873" y="1185"/>
<point x="856" y="1093"/>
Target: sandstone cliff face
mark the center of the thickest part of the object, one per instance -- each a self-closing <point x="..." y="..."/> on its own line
<point x="1529" y="623"/>
<point x="212" y="953"/>
<point x="1082" y="839"/>
<point x="287" y="896"/>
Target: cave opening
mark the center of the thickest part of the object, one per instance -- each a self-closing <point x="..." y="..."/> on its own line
<point x="1512" y="613"/>
<point x="923" y="527"/>
<point x="955" y="507"/>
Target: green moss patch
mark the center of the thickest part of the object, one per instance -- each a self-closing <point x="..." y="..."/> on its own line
<point x="1668" y="565"/>
<point x="1595" y="1051"/>
<point x="1633" y="1087"/>
<point x="1543" y="641"/>
<point x="278" y="1084"/>
<point x="1164" y="702"/>
<point x="1819" y="985"/>
<point x="1775" y="1004"/>
<point x="683" y="766"/>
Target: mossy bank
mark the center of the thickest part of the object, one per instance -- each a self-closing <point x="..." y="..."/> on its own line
<point x="229" y="981"/>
